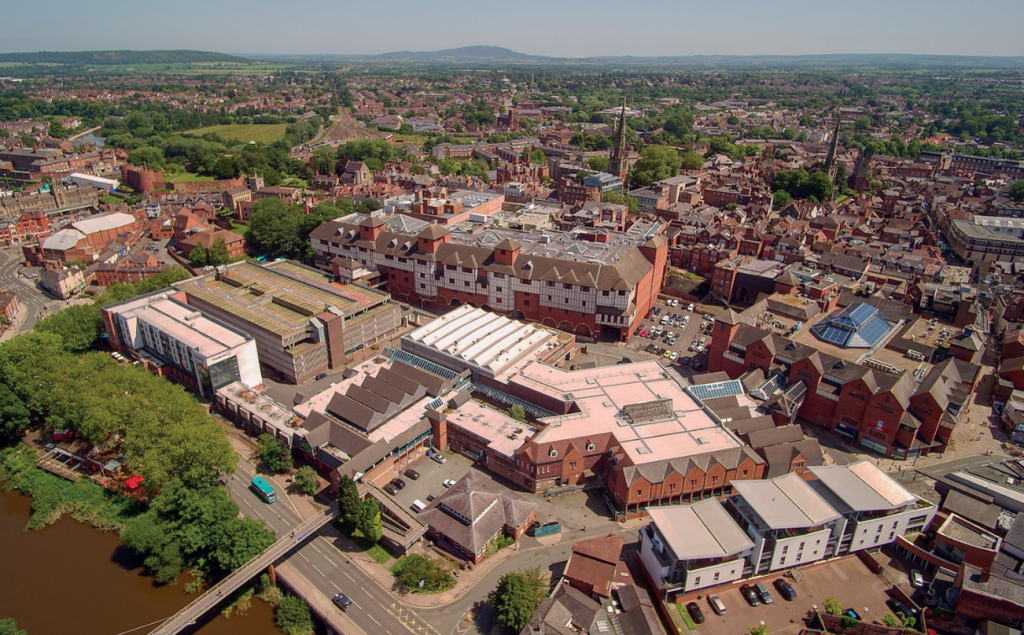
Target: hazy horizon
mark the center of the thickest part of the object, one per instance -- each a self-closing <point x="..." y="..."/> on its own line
<point x="573" y="29"/>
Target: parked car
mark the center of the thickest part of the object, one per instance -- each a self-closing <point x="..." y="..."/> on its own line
<point x="695" y="613"/>
<point x="785" y="589"/>
<point x="674" y="356"/>
<point x="716" y="604"/>
<point x="438" y="458"/>
<point x="851" y="613"/>
<point x="391" y="489"/>
<point x="643" y="333"/>
<point x="899" y="607"/>
<point x="413" y="474"/>
<point x="320" y="376"/>
<point x="667" y="354"/>
<point x="762" y="592"/>
<point x="341" y="601"/>
<point x="448" y="482"/>
<point x="750" y="595"/>
<point x="398" y="483"/>
<point x="916" y="579"/>
<point x="431" y="497"/>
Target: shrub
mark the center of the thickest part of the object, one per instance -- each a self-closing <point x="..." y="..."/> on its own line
<point x="433" y="573"/>
<point x="293" y="616"/>
<point x="833" y="606"/>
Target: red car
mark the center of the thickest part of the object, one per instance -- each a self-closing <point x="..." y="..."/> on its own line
<point x="643" y="333"/>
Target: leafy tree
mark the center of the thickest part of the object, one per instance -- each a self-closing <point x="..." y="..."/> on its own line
<point x="782" y="199"/>
<point x="891" y="620"/>
<point x="656" y="163"/>
<point x="1017" y="190"/>
<point x="293" y="616"/>
<point x="9" y="627"/>
<point x="833" y="606"/>
<point x="414" y="569"/>
<point x="368" y="205"/>
<point x="761" y="629"/>
<point x="198" y="256"/>
<point x="14" y="416"/>
<point x="305" y="480"/>
<point x="599" y="164"/>
<point x="517" y="412"/>
<point x="274" y="228"/>
<point x="537" y="156"/>
<point x="147" y="156"/>
<point x="622" y="199"/>
<point x="691" y="160"/>
<point x="909" y="621"/>
<point x="241" y="540"/>
<point x="349" y="505"/>
<point x="218" y="253"/>
<point x="369" y="522"/>
<point x="517" y="596"/>
<point x="324" y="160"/>
<point x="78" y="326"/>
<point x="276" y="457"/>
<point x="863" y="123"/>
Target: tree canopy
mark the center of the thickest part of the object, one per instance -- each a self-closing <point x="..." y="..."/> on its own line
<point x="517" y="596"/>
<point x="656" y="163"/>
<point x="800" y="184"/>
<point x="1017" y="190"/>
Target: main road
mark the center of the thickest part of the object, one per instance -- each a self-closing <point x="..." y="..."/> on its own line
<point x="32" y="298"/>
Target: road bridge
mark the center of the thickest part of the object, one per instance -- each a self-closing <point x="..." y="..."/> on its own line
<point x="216" y="594"/>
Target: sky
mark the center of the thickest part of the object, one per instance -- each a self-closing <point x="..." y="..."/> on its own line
<point x="561" y="28"/>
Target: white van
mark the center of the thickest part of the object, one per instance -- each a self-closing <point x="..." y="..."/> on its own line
<point x="418" y="506"/>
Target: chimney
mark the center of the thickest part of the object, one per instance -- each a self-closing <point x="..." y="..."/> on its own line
<point x="985" y="574"/>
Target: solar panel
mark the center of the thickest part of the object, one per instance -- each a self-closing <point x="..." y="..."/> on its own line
<point x="717" y="389"/>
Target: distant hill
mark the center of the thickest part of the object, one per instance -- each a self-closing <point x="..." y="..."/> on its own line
<point x="466" y="53"/>
<point x="120" y="58"/>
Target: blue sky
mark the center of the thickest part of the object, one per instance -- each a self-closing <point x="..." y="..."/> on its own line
<point x="569" y="28"/>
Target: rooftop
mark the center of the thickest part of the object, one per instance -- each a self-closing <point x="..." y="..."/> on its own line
<point x="505" y="435"/>
<point x="863" y="487"/>
<point x="786" y="502"/>
<point x="856" y="326"/>
<point x="180" y="321"/>
<point x="701" y="530"/>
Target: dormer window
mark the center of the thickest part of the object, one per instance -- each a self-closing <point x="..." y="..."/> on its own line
<point x="590" y="447"/>
<point x="553" y="453"/>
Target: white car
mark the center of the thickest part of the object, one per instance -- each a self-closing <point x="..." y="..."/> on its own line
<point x="689" y="307"/>
<point x="448" y="482"/>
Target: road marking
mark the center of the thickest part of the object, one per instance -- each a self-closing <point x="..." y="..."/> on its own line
<point x="349" y="577"/>
<point x="257" y="512"/>
<point x="372" y="618"/>
<point x="368" y="593"/>
<point x="317" y="550"/>
<point x="335" y="585"/>
<point x="317" y="569"/>
<point x="304" y="557"/>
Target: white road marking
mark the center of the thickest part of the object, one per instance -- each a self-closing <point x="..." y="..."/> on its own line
<point x="335" y="586"/>
<point x="367" y="593"/>
<point x="304" y="557"/>
<point x="371" y="617"/>
<point x="317" y="569"/>
<point x="317" y="550"/>
<point x="349" y="577"/>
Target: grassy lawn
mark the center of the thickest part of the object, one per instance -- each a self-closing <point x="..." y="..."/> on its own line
<point x="258" y="132"/>
<point x="686" y="617"/>
<point x="375" y="551"/>
<point x="183" y="177"/>
<point x="239" y="227"/>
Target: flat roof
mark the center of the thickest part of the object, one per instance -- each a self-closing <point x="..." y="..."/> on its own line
<point x="701" y="530"/>
<point x="602" y="393"/>
<point x="785" y="502"/>
<point x="504" y="434"/>
<point x="863" y="487"/>
<point x="183" y="323"/>
<point x="966" y="533"/>
<point x="103" y="223"/>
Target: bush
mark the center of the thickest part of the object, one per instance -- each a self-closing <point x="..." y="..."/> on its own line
<point x="833" y="606"/>
<point x="517" y="412"/>
<point x="847" y="622"/>
<point x="293" y="616"/>
<point x="891" y="620"/>
<point x="305" y="480"/>
<point x="433" y="573"/>
<point x="497" y="544"/>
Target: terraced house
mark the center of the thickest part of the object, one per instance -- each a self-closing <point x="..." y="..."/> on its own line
<point x="596" y="284"/>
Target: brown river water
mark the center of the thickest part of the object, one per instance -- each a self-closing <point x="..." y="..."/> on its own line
<point x="71" y="578"/>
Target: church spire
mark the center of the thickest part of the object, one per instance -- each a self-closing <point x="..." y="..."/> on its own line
<point x="831" y="167"/>
<point x="619" y="159"/>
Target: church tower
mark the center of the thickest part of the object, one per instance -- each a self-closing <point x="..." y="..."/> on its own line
<point x="621" y="157"/>
<point x="831" y="167"/>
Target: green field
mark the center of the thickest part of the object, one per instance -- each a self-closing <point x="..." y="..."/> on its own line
<point x="258" y="132"/>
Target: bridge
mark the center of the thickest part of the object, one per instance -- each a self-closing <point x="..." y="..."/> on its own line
<point x="216" y="594"/>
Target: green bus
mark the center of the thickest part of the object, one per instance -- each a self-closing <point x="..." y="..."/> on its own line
<point x="263" y="490"/>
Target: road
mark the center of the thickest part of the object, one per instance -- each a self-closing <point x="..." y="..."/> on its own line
<point x="323" y="562"/>
<point x="32" y="298"/>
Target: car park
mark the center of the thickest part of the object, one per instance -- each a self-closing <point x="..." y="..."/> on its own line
<point x="413" y="474"/>
<point x="716" y="604"/>
<point x="695" y="613"/>
<point x="785" y="589"/>
<point x="750" y="595"/>
<point x="763" y="593"/>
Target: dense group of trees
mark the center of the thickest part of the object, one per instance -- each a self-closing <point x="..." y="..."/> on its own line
<point x="9" y="627"/>
<point x="656" y="163"/>
<point x="358" y="515"/>
<point x="799" y="184"/>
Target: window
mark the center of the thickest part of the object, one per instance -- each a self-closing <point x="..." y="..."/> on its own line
<point x="782" y="561"/>
<point x="785" y="548"/>
<point x="567" y="286"/>
<point x="716" y="576"/>
<point x="526" y="303"/>
<point x="451" y="280"/>
<point x="467" y="283"/>
<point x="714" y="480"/>
<point x="693" y="482"/>
<point x="876" y="539"/>
<point x="639" y="493"/>
<point x="553" y="453"/>
<point x="696" y="581"/>
<point x="892" y="534"/>
<point x="799" y="557"/>
<point x="551" y="284"/>
<point x="745" y="473"/>
<point x="572" y="465"/>
<point x="671" y="487"/>
<point x="604" y="293"/>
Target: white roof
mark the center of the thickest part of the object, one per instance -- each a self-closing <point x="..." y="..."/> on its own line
<point x="103" y="223"/>
<point x="863" y="487"/>
<point x="701" y="530"/>
<point x="63" y="240"/>
<point x="786" y="502"/>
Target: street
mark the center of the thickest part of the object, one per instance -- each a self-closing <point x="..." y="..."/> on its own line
<point x="33" y="299"/>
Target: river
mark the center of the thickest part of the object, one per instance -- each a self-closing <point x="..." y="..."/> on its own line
<point x="71" y="578"/>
